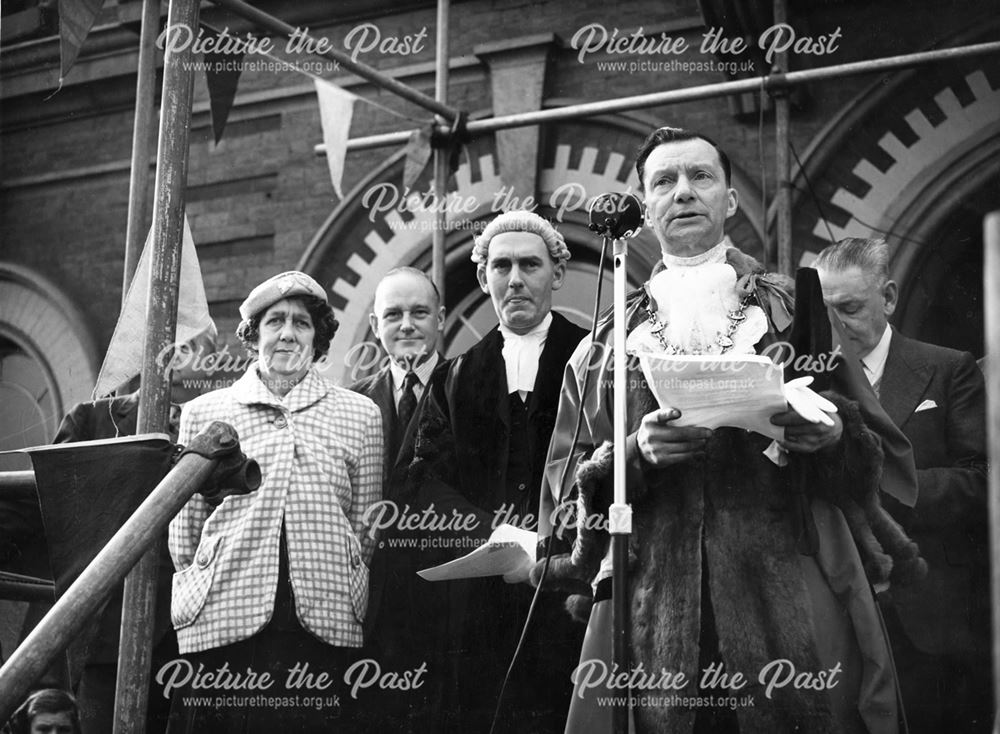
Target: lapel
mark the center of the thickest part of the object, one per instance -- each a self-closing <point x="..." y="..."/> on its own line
<point x="250" y="390"/>
<point x="382" y="395"/>
<point x="551" y="365"/>
<point x="487" y="361"/>
<point x="904" y="380"/>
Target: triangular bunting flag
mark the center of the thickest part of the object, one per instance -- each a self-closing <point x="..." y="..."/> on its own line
<point x="76" y="18"/>
<point x="124" y="358"/>
<point x="336" y="107"/>
<point x="222" y="75"/>
<point x="418" y="152"/>
<point x="459" y="137"/>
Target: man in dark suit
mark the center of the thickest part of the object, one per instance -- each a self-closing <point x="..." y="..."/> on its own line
<point x="484" y="430"/>
<point x="407" y="318"/>
<point x="939" y="628"/>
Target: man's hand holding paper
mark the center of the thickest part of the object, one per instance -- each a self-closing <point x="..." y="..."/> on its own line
<point x="662" y="442"/>
<point x="698" y="393"/>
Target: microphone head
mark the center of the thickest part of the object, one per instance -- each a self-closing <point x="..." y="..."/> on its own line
<point x="617" y="216"/>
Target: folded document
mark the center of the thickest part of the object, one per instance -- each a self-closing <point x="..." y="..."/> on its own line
<point x="742" y="390"/>
<point x="508" y="549"/>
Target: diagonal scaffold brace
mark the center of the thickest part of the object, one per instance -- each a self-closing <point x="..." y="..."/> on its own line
<point x="212" y="464"/>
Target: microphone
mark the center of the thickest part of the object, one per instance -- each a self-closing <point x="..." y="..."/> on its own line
<point x="616" y="216"/>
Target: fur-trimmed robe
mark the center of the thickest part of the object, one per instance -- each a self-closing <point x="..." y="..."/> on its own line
<point x="732" y="516"/>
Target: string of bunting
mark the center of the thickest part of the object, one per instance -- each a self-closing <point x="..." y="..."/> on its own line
<point x="222" y="73"/>
<point x="336" y="107"/>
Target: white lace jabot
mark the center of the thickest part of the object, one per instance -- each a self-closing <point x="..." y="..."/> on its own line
<point x="694" y="296"/>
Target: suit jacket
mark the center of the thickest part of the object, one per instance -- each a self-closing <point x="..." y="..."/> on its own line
<point x="937" y="396"/>
<point x="379" y="388"/>
<point x="387" y="568"/>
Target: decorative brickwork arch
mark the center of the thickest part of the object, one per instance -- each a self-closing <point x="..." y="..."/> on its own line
<point x="52" y="356"/>
<point x="915" y="160"/>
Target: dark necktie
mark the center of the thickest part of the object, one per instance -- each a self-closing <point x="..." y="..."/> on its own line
<point x="877" y="385"/>
<point x="407" y="403"/>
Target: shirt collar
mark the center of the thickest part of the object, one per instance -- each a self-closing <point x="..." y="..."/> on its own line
<point x="874" y="361"/>
<point x="422" y="371"/>
<point x="716" y="254"/>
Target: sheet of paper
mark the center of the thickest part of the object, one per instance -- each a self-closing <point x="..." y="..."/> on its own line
<point x="742" y="391"/>
<point x="508" y="549"/>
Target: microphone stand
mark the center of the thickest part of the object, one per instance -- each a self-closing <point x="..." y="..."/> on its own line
<point x="620" y="512"/>
<point x="616" y="217"/>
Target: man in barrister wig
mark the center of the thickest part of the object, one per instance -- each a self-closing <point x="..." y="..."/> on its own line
<point x="483" y="432"/>
<point x="736" y="561"/>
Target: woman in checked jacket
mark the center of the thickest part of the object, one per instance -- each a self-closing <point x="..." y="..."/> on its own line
<point x="276" y="582"/>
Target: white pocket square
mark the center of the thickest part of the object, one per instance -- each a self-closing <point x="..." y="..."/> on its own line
<point x="926" y="405"/>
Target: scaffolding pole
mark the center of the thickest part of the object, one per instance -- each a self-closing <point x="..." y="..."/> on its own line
<point x="991" y="309"/>
<point x="783" y="194"/>
<point x="690" y="94"/>
<point x="135" y="651"/>
<point x="218" y="457"/>
<point x="279" y="27"/>
<point x="441" y="154"/>
<point x="145" y="99"/>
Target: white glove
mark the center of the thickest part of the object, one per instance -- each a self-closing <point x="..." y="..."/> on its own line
<point x="809" y="404"/>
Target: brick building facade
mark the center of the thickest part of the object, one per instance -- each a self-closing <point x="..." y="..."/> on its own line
<point x="914" y="154"/>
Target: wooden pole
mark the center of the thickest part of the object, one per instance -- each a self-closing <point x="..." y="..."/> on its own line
<point x="145" y="99"/>
<point x="440" y="155"/>
<point x="690" y="94"/>
<point x="991" y="308"/>
<point x="135" y="654"/>
<point x="783" y="194"/>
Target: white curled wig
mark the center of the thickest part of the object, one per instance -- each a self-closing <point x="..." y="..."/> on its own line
<point x="520" y="221"/>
